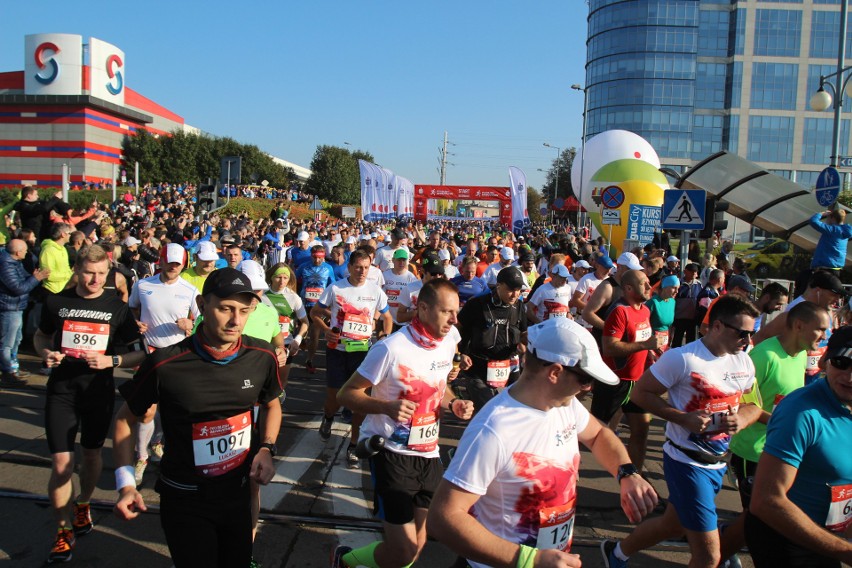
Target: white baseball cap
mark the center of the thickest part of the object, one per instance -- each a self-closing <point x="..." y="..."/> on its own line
<point x="206" y="251"/>
<point x="174" y="253"/>
<point x="507" y="253"/>
<point x="130" y="241"/>
<point x="672" y="258"/>
<point x="350" y="240"/>
<point x="629" y="260"/>
<point x="254" y="271"/>
<point x="564" y="341"/>
<point x="582" y="264"/>
<point x="302" y="236"/>
<point x="444" y="254"/>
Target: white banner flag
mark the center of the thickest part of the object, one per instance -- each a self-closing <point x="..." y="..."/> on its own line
<point x="520" y="217"/>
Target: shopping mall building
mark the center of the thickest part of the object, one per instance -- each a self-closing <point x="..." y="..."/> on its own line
<point x="71" y="106"/>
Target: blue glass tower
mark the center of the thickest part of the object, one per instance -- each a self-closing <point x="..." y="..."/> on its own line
<point x="697" y="76"/>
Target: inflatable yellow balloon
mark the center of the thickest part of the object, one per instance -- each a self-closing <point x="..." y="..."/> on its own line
<point x="628" y="197"/>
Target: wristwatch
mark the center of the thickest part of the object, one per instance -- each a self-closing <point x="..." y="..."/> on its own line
<point x="270" y="447"/>
<point x="116" y="360"/>
<point x="626" y="470"/>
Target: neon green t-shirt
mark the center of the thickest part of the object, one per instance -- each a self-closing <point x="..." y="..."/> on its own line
<point x="777" y="374"/>
<point x="193" y="278"/>
<point x="263" y="323"/>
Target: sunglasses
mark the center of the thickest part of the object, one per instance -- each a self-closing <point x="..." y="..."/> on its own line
<point x="841" y="363"/>
<point x="582" y="377"/>
<point x="743" y="334"/>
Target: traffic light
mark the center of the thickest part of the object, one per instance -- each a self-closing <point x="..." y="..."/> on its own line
<point x="714" y="217"/>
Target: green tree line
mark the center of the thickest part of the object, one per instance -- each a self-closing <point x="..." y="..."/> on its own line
<point x="195" y="158"/>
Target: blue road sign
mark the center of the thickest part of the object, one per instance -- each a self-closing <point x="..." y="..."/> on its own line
<point x="612" y="197"/>
<point x="684" y="209"/>
<point x="827" y="187"/>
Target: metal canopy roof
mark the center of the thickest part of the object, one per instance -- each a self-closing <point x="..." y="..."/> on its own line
<point x="767" y="201"/>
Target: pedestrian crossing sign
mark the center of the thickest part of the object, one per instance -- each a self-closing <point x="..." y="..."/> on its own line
<point x="684" y="209"/>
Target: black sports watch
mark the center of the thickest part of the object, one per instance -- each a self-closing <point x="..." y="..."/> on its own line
<point x="626" y="470"/>
<point x="116" y="360"/>
<point x="270" y="447"/>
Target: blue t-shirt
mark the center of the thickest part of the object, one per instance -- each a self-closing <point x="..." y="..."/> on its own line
<point x="313" y="280"/>
<point x="300" y="257"/>
<point x="339" y="270"/>
<point x="468" y="289"/>
<point x="810" y="430"/>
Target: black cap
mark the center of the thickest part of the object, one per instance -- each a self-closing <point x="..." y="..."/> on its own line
<point x="827" y="281"/>
<point x="511" y="276"/>
<point x="840" y="343"/>
<point x="432" y="263"/>
<point x="526" y="257"/>
<point x="398" y="234"/>
<point x="741" y="282"/>
<point x="227" y="282"/>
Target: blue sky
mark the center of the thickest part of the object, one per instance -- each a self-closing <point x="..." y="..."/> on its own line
<point x="387" y="77"/>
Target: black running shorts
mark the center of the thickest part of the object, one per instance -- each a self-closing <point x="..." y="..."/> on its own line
<point x="403" y="483"/>
<point x="85" y="404"/>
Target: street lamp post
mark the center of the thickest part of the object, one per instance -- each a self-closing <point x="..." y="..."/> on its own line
<point x="578" y="87"/>
<point x="821" y="100"/>
<point x="556" y="183"/>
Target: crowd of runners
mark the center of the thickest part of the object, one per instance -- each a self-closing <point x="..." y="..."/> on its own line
<point x="421" y="321"/>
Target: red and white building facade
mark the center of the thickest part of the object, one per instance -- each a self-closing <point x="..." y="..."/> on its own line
<point x="71" y="105"/>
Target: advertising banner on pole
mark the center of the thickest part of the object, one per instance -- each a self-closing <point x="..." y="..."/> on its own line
<point x="520" y="215"/>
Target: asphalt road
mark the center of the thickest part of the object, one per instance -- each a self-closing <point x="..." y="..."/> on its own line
<point x="313" y="503"/>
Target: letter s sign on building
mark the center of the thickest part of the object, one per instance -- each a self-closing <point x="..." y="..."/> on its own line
<point x="108" y="71"/>
<point x="53" y="64"/>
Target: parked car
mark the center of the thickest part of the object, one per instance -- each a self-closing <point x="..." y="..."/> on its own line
<point x="776" y="258"/>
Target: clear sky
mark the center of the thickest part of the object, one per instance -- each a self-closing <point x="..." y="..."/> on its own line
<point x="387" y="77"/>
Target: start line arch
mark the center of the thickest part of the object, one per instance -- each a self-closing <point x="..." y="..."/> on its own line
<point x="423" y="193"/>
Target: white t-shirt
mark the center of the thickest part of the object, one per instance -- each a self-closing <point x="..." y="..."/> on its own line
<point x="161" y="305"/>
<point x="399" y="368"/>
<point x="353" y="309"/>
<point x="551" y="302"/>
<point x="527" y="483"/>
<point x="408" y="296"/>
<point x="696" y="379"/>
<point x="450" y="271"/>
<point x="587" y="286"/>
<point x="490" y="274"/>
<point x="395" y="286"/>
<point x="384" y="257"/>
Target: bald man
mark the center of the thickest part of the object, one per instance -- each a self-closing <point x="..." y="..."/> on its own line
<point x="15" y="287"/>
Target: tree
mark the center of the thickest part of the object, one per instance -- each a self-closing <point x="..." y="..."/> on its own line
<point x="566" y="160"/>
<point x="145" y="149"/>
<point x="534" y="201"/>
<point x="335" y="175"/>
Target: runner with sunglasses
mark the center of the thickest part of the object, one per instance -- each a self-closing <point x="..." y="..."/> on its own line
<point x="509" y="500"/>
<point x="705" y="381"/>
<point x="801" y="505"/>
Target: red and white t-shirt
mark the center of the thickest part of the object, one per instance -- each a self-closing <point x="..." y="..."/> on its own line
<point x="698" y="380"/>
<point x="395" y="286"/>
<point x="630" y="325"/>
<point x="353" y="309"/>
<point x="527" y="483"/>
<point x="551" y="302"/>
<point x="402" y="370"/>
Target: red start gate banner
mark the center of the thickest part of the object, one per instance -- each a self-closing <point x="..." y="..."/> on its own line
<point x="423" y="193"/>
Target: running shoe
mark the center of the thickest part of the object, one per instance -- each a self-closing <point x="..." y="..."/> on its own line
<point x="309" y="367"/>
<point x="732" y="562"/>
<point x="63" y="547"/>
<point x="325" y="428"/>
<point x="609" y="558"/>
<point x="139" y="470"/>
<point x="337" y="557"/>
<point x="11" y="381"/>
<point x="22" y="373"/>
<point x="352" y="460"/>
<point x="156" y="452"/>
<point x="82" y="519"/>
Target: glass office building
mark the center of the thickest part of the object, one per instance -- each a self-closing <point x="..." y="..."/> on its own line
<point x="697" y="76"/>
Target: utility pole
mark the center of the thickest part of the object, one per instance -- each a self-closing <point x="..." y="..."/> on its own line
<point x="444" y="161"/>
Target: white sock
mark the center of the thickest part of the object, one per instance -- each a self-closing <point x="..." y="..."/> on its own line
<point x="144" y="433"/>
<point x="619" y="554"/>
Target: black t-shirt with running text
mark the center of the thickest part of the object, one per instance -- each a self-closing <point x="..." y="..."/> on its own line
<point x="206" y="407"/>
<point x="104" y="325"/>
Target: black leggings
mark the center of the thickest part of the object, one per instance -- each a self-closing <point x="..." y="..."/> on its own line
<point x="770" y="549"/>
<point x="207" y="531"/>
